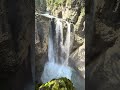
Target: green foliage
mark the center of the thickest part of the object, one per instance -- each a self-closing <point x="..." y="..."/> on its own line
<point x="54" y="3"/>
<point x="69" y="2"/>
<point x="59" y="1"/>
<point x="57" y="84"/>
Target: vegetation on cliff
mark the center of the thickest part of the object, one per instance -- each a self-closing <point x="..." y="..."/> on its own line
<point x="57" y="84"/>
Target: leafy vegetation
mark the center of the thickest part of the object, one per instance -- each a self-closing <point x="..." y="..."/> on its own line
<point x="51" y="4"/>
<point x="57" y="84"/>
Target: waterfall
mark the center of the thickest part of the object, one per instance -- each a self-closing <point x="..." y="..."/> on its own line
<point x="58" y="56"/>
<point x="51" y="56"/>
<point x="67" y="45"/>
<point x="59" y="42"/>
<point x="58" y="53"/>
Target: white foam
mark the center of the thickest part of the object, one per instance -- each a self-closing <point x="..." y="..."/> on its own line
<point x="53" y="70"/>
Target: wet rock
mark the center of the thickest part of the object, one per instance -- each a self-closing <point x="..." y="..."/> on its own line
<point x="77" y="59"/>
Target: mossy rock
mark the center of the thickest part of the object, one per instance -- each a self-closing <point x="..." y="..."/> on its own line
<point x="57" y="84"/>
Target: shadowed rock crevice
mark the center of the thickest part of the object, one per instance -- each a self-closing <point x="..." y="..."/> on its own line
<point x="16" y="44"/>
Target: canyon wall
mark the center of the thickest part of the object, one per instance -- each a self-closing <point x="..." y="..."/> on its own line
<point x="103" y="65"/>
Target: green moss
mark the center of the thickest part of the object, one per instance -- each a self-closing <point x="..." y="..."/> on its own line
<point x="57" y="84"/>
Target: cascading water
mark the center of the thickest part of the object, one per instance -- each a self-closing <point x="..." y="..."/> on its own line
<point x="56" y="66"/>
<point x="51" y="56"/>
<point x="67" y="45"/>
<point x="58" y="55"/>
<point x="59" y="42"/>
<point x="62" y="50"/>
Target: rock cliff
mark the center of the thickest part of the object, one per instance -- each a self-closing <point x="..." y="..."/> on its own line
<point x="16" y="43"/>
<point x="102" y="69"/>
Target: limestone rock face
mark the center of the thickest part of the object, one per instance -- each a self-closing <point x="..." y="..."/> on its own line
<point x="6" y="59"/>
<point x="16" y="43"/>
<point x="41" y="44"/>
<point x="102" y="72"/>
<point x="15" y="35"/>
<point x="77" y="59"/>
<point x="40" y="5"/>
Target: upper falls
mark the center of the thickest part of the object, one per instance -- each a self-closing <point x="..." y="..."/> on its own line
<point x="58" y="51"/>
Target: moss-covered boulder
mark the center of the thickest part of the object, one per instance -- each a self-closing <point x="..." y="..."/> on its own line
<point x="57" y="84"/>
